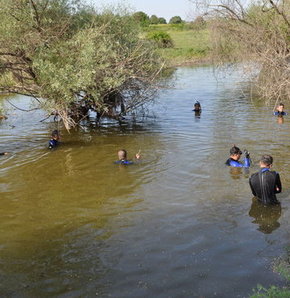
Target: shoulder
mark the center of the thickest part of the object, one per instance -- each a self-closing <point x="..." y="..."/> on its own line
<point x="124" y="162"/>
<point x="254" y="175"/>
<point x="233" y="163"/>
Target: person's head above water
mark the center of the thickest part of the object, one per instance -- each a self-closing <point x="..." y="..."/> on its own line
<point x="266" y="161"/>
<point x="197" y="106"/>
<point x="55" y="135"/>
<point x="235" y="152"/>
<point x="122" y="154"/>
<point x="280" y="107"/>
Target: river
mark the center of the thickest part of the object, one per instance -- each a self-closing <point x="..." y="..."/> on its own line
<point x="177" y="224"/>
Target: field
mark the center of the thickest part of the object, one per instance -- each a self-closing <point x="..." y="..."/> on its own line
<point x="191" y="46"/>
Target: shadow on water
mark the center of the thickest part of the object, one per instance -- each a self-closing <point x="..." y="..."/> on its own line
<point x="265" y="216"/>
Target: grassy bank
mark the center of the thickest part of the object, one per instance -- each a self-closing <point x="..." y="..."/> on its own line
<point x="281" y="266"/>
<point x="191" y="46"/>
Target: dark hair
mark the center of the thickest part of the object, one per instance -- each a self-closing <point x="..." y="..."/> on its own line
<point x="235" y="150"/>
<point x="266" y="159"/>
<point x="197" y="104"/>
<point x="55" y="133"/>
<point x="281" y="104"/>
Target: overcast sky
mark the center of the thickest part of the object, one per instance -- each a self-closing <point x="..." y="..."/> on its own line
<point x="161" y="8"/>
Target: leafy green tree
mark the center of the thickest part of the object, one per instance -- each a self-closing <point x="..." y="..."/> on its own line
<point x="161" y="21"/>
<point x="142" y="18"/>
<point x="175" y="20"/>
<point x="69" y="58"/>
<point x="154" y="20"/>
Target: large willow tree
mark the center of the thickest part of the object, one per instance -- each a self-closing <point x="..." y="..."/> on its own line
<point x="70" y="58"/>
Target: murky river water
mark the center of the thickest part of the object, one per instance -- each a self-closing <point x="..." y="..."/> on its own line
<point x="73" y="224"/>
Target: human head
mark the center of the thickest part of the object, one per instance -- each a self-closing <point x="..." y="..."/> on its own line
<point x="122" y="154"/>
<point x="197" y="106"/>
<point x="266" y="161"/>
<point x="280" y="107"/>
<point x="235" y="152"/>
<point x="55" y="135"/>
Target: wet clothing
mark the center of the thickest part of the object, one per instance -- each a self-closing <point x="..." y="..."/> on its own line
<point x="264" y="186"/>
<point x="124" y="162"/>
<point x="280" y="113"/>
<point x="235" y="163"/>
<point x="52" y="144"/>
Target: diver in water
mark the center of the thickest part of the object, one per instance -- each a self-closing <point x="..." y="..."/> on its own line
<point x="54" y="141"/>
<point x="265" y="183"/>
<point x="122" y="156"/>
<point x="235" y="155"/>
<point x="4" y="153"/>
<point x="280" y="110"/>
<point x="197" y="107"/>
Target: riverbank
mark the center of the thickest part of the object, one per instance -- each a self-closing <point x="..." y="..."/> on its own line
<point x="190" y="46"/>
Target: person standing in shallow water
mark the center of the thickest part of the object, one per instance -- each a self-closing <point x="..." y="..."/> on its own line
<point x="54" y="141"/>
<point x="280" y="110"/>
<point x="265" y="184"/>
<point x="235" y="155"/>
<point x="122" y="156"/>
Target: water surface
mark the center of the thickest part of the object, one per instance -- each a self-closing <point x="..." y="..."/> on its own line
<point x="177" y="224"/>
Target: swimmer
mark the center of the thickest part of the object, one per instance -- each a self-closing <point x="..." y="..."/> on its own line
<point x="280" y="110"/>
<point x="122" y="156"/>
<point x="54" y="141"/>
<point x="235" y="155"/>
<point x="265" y="183"/>
<point x="197" y="107"/>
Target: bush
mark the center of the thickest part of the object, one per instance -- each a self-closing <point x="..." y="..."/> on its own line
<point x="162" y="39"/>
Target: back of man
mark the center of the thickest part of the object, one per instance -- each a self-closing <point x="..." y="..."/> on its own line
<point x="265" y="183"/>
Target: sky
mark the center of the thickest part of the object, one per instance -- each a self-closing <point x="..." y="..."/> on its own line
<point x="161" y="8"/>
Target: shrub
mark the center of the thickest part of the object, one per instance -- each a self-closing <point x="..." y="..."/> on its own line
<point x="162" y="39"/>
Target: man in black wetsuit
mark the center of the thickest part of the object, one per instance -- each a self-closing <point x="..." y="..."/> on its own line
<point x="265" y="183"/>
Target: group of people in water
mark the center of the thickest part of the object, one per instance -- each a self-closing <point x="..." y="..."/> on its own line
<point x="265" y="184"/>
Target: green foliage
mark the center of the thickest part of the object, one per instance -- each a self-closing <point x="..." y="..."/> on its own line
<point x="61" y="50"/>
<point x="161" y="21"/>
<point x="141" y="18"/>
<point x="175" y="20"/>
<point x="162" y="39"/>
<point x="272" y="292"/>
<point x="154" y="19"/>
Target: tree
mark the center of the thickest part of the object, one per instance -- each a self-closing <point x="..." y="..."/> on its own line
<point x="175" y="20"/>
<point x="141" y="17"/>
<point x="154" y="20"/>
<point x="257" y="33"/>
<point x="70" y="59"/>
<point x="161" y="21"/>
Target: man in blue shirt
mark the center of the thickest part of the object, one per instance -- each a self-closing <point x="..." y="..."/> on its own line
<point x="235" y="155"/>
<point x="122" y="155"/>
<point x="54" y="141"/>
<point x="280" y="110"/>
